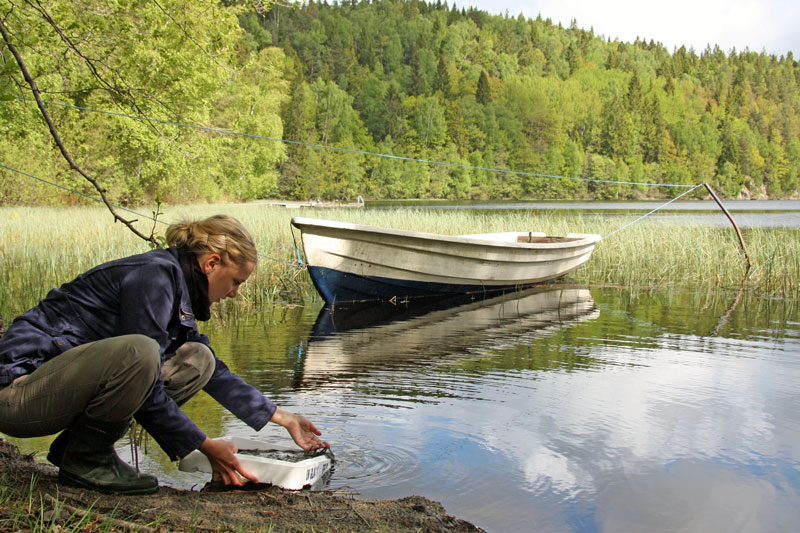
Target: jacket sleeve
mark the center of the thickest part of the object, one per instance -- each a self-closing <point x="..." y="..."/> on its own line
<point x="246" y="402"/>
<point x="147" y="304"/>
<point x="175" y="432"/>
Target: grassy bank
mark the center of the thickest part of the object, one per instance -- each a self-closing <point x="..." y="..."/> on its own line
<point x="41" y="248"/>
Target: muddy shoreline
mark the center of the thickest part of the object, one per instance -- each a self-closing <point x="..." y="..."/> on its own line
<point x="34" y="496"/>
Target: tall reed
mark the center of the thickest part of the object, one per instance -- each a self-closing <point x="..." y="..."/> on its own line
<point x="40" y="248"/>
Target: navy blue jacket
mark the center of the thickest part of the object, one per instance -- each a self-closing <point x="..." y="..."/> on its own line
<point x="145" y="294"/>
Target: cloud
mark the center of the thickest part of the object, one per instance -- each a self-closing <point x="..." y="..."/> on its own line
<point x="770" y="26"/>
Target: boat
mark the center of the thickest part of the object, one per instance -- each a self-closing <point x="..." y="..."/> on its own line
<point x="359" y="263"/>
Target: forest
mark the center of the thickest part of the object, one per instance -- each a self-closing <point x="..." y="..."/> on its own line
<point x="177" y="102"/>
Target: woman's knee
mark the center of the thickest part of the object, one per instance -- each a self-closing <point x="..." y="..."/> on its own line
<point x="207" y="360"/>
<point x="198" y="356"/>
<point x="188" y="371"/>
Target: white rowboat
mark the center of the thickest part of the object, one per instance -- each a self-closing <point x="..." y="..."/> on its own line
<point x="358" y="263"/>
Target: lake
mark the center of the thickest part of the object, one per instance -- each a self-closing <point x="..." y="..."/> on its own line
<point x="560" y="408"/>
<point x="747" y="213"/>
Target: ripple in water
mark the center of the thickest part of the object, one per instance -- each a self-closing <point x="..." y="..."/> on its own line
<point x="360" y="466"/>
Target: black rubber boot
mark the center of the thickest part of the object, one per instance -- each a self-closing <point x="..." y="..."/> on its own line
<point x="89" y="459"/>
<point x="57" y="447"/>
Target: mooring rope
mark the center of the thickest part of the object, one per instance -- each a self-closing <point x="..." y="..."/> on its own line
<point x="695" y="187"/>
<point x="299" y="263"/>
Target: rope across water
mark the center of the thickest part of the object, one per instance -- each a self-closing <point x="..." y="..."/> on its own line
<point x="359" y="152"/>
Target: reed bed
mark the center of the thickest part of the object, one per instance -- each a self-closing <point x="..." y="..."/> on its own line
<point x="41" y="248"/>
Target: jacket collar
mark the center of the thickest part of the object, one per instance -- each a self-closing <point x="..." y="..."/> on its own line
<point x="186" y="311"/>
<point x="196" y="283"/>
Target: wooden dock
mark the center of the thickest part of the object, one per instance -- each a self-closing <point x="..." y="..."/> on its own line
<point x="318" y="204"/>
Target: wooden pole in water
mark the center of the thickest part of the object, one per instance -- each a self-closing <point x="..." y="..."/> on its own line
<point x="735" y="226"/>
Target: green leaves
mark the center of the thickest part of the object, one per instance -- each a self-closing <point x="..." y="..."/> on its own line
<point x="7" y="70"/>
<point x="166" y="61"/>
<point x="539" y="98"/>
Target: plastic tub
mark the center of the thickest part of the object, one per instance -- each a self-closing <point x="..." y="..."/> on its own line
<point x="293" y="475"/>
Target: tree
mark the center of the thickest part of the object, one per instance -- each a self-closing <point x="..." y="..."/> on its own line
<point x="424" y="67"/>
<point x="371" y="105"/>
<point x="617" y="130"/>
<point x="483" y="93"/>
<point x="427" y="120"/>
<point x="167" y="62"/>
<point x="443" y="78"/>
<point x="654" y="139"/>
<point x="58" y="28"/>
<point x="396" y="125"/>
<point x="252" y="106"/>
<point x="634" y="96"/>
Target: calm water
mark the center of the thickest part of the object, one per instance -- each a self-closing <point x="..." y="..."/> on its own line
<point x="747" y="213"/>
<point x="557" y="409"/>
<point x="562" y="409"/>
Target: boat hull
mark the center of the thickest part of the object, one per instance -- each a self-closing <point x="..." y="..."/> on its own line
<point x="356" y="263"/>
<point x="345" y="287"/>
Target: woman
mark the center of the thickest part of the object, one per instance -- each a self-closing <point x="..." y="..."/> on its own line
<point x="121" y="341"/>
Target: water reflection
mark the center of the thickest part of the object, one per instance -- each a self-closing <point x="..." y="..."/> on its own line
<point x="347" y="341"/>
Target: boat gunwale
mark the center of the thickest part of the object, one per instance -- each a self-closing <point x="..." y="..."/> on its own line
<point x="577" y="239"/>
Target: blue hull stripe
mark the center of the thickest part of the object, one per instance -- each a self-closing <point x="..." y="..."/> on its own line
<point x="341" y="287"/>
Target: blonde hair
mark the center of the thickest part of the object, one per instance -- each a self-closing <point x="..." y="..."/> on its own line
<point x="218" y="234"/>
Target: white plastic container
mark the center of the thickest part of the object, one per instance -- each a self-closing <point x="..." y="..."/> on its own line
<point x="286" y="474"/>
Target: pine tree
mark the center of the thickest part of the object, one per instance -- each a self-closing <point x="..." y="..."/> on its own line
<point x="483" y="94"/>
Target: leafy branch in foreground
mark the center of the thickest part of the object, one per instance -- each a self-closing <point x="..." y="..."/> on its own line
<point x="57" y="138"/>
<point x="121" y="82"/>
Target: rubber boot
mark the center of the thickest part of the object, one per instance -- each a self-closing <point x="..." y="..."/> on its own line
<point x="56" y="453"/>
<point x="89" y="459"/>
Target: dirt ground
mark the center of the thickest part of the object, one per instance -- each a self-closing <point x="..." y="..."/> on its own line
<point x="57" y="507"/>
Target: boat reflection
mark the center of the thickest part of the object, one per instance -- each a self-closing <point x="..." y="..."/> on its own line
<point x="350" y="341"/>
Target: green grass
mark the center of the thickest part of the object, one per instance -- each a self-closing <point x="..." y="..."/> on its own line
<point x="29" y="510"/>
<point x="41" y="248"/>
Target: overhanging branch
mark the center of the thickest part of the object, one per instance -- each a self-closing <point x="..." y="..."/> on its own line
<point x="57" y="138"/>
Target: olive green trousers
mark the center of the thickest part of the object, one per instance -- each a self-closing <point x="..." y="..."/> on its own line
<point x="108" y="379"/>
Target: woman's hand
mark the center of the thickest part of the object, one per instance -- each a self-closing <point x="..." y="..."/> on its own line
<point x="225" y="465"/>
<point x="304" y="433"/>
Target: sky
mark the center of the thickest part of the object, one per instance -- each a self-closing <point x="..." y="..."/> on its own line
<point x="771" y="26"/>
